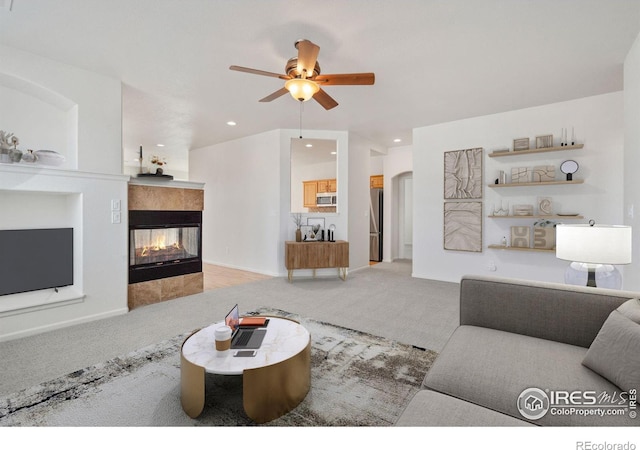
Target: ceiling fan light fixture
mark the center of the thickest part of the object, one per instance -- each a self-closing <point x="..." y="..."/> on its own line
<point x="301" y="89"/>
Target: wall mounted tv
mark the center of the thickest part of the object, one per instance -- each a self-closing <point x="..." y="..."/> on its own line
<point x="35" y="259"/>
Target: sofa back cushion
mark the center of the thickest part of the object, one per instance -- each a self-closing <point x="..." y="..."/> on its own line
<point x="615" y="352"/>
<point x="553" y="311"/>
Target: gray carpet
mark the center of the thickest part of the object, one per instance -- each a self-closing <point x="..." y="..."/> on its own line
<point x="383" y="300"/>
<point x="357" y="380"/>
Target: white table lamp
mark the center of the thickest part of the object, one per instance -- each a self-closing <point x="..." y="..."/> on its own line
<point x="593" y="250"/>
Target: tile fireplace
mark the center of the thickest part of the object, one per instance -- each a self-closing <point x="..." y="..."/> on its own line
<point x="164" y="244"/>
<point x="165" y="240"/>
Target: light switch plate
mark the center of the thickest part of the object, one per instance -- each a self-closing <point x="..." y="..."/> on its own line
<point x="115" y="217"/>
<point x="115" y="205"/>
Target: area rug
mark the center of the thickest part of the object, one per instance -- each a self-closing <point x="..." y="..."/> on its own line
<point x="357" y="379"/>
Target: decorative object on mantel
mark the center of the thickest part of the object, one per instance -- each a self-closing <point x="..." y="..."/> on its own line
<point x="569" y="167"/>
<point x="29" y="157"/>
<point x="159" y="173"/>
<point x="49" y="157"/>
<point x="15" y="155"/>
<point x="8" y="142"/>
<point x="297" y="219"/>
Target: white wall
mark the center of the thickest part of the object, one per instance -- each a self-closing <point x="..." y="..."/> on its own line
<point x="246" y="218"/>
<point x="241" y="217"/>
<point x="58" y="107"/>
<point x="632" y="159"/>
<point x="92" y="105"/>
<point x="598" y="124"/>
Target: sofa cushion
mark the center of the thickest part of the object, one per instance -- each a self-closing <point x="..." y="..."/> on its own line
<point x="614" y="352"/>
<point x="430" y="408"/>
<point x="491" y="368"/>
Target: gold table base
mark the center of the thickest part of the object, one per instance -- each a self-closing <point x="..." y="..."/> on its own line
<point x="267" y="392"/>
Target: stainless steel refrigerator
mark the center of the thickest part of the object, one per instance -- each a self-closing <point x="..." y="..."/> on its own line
<point x="375" y="225"/>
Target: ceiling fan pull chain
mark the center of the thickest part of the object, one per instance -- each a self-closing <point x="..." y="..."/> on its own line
<point x="301" y="106"/>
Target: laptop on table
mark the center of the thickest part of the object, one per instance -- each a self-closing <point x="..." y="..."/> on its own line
<point x="249" y="338"/>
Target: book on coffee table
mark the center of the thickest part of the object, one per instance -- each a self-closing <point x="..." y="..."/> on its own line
<point x="254" y="322"/>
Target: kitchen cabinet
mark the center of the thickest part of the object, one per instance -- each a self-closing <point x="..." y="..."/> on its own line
<point x="309" y="189"/>
<point x="377" y="181"/>
<point x="312" y="187"/>
<point x="327" y="185"/>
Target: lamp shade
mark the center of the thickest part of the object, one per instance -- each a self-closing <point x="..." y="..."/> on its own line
<point x="597" y="244"/>
<point x="301" y="89"/>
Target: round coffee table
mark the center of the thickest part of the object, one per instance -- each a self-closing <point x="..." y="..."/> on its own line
<point x="274" y="381"/>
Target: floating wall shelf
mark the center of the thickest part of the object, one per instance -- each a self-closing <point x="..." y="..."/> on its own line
<point x="535" y="150"/>
<point x="537" y="183"/>
<point x="522" y="249"/>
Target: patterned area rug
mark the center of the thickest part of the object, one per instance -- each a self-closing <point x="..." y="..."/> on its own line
<point x="356" y="380"/>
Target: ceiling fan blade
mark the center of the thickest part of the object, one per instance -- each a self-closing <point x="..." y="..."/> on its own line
<point x="260" y="72"/>
<point x="325" y="99"/>
<point x="346" y="79"/>
<point x="307" y="57"/>
<point x="275" y="95"/>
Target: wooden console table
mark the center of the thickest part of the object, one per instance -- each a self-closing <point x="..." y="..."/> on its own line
<point x="317" y="255"/>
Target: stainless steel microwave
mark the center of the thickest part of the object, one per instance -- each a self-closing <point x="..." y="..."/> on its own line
<point x="326" y="199"/>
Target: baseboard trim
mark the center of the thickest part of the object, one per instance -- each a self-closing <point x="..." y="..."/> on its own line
<point x="63" y="324"/>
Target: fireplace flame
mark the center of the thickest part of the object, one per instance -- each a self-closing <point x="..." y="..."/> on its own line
<point x="157" y="245"/>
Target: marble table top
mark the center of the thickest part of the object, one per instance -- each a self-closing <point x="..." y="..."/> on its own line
<point x="284" y="339"/>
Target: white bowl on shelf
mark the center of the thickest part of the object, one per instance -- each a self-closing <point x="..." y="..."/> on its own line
<point x="49" y="157"/>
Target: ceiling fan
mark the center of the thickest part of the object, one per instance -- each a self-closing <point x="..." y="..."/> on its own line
<point x="304" y="80"/>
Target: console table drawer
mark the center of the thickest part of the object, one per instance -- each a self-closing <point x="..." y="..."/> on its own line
<point x="317" y="255"/>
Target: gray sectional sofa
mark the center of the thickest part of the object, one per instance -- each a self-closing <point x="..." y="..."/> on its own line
<point x="533" y="353"/>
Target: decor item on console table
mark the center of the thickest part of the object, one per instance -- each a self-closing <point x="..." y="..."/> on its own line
<point x="297" y="219"/>
<point x="317" y="255"/>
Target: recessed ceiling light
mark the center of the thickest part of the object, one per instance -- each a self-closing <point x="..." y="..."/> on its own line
<point x="231" y="123"/>
<point x="334" y="153"/>
<point x="309" y="145"/>
<point x="159" y="145"/>
<point x="397" y="140"/>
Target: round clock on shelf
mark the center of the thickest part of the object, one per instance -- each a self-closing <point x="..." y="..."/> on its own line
<point x="569" y="167"/>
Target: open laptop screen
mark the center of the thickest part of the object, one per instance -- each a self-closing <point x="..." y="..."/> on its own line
<point x="232" y="320"/>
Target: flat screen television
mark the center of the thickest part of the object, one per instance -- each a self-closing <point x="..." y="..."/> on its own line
<point x="35" y="259"/>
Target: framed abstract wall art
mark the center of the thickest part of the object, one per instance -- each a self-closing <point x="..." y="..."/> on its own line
<point x="463" y="226"/>
<point x="463" y="174"/>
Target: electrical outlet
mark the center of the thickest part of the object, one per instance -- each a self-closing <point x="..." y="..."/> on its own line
<point x="492" y="266"/>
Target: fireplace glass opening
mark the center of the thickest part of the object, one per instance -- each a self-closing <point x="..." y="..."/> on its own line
<point x="164" y="244"/>
<point x="160" y="245"/>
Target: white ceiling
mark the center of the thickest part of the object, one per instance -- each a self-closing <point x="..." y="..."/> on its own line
<point x="435" y="61"/>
